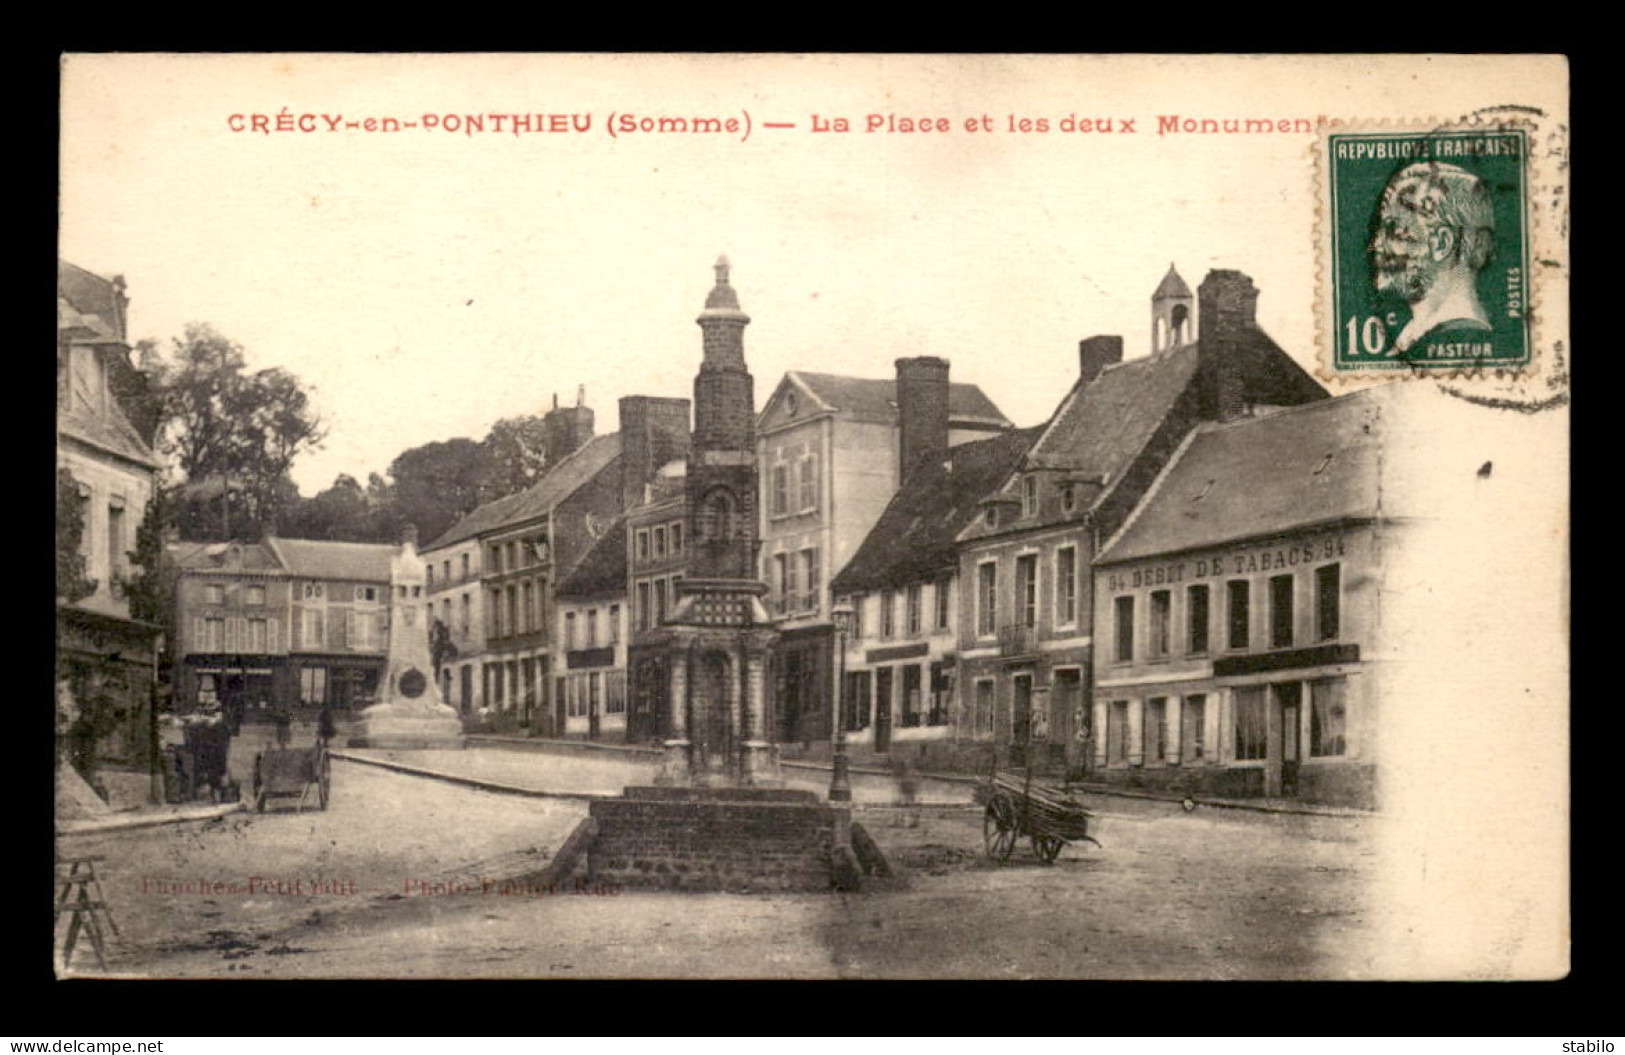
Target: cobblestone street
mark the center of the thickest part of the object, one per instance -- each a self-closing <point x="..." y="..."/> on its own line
<point x="402" y="877"/>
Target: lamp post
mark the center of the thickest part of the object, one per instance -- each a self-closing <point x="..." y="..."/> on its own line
<point x="840" y="783"/>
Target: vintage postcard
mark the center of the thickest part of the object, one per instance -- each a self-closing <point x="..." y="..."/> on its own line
<point x="812" y="516"/>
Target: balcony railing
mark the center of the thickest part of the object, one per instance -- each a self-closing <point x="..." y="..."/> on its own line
<point x="1017" y="639"/>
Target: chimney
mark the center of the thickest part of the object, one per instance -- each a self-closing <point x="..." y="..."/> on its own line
<point x="1228" y="312"/>
<point x="566" y="428"/>
<point x="409" y="537"/>
<point x="1096" y="354"/>
<point x="654" y="431"/>
<point x="922" y="410"/>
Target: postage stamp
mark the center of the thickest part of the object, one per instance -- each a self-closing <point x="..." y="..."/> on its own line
<point x="1428" y="261"/>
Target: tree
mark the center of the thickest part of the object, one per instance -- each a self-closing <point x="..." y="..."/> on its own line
<point x="152" y="591"/>
<point x="438" y="483"/>
<point x="442" y="649"/>
<point x="234" y="435"/>
<point x="71" y="583"/>
<point x="517" y="448"/>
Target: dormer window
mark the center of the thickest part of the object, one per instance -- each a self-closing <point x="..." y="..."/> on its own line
<point x="991" y="516"/>
<point x="1069" y="498"/>
<point x="1029" y="496"/>
<point x="87" y="382"/>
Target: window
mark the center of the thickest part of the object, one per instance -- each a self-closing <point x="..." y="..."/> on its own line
<point x="1194" y="737"/>
<point x="781" y="489"/>
<point x="513" y="609"/>
<point x="1328" y="602"/>
<point x="465" y="565"/>
<point x="615" y="692"/>
<point x="809" y="483"/>
<point x="468" y="605"/>
<point x="987" y="599"/>
<point x="530" y="607"/>
<point x="888" y="613"/>
<point x="614" y="624"/>
<point x="1124" y="650"/>
<point x="445" y="611"/>
<point x="1117" y="733"/>
<point x="1196" y="617"/>
<point x="944" y="598"/>
<point x="941" y="696"/>
<point x="787" y="581"/>
<point x="1066" y="585"/>
<point x="1161" y="617"/>
<point x="214" y="593"/>
<point x="1328" y="717"/>
<point x="429" y="570"/>
<point x="1156" y="730"/>
<point x="643" y="545"/>
<point x="496" y="560"/>
<point x="493" y="614"/>
<point x="116" y="545"/>
<point x="1250" y="722"/>
<point x="313" y="628"/>
<point x="445" y="571"/>
<point x="569" y="630"/>
<point x="659" y="543"/>
<point x="984" y="707"/>
<point x="313" y="684"/>
<point x="1069" y="498"/>
<point x="911" y="696"/>
<point x="676" y="539"/>
<point x="643" y="606"/>
<point x="313" y="591"/>
<point x="259" y="636"/>
<point x="214" y="635"/>
<point x="87" y="380"/>
<point x="1240" y="621"/>
<point x="1029" y="496"/>
<point x="915" y="601"/>
<point x="857" y="616"/>
<point x="660" y="601"/>
<point x="592" y="628"/>
<point x="513" y="556"/>
<point x="254" y="596"/>
<point x="1281" y="611"/>
<point x="1027" y="588"/>
<point x="810" y="571"/>
<point x="369" y="593"/>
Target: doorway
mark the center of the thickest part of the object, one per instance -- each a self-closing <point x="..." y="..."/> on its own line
<point x="883" y="680"/>
<point x="1288" y="701"/>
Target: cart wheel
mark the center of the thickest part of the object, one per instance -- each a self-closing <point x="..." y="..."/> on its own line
<point x="321" y="791"/>
<point x="1048" y="847"/>
<point x="999" y="828"/>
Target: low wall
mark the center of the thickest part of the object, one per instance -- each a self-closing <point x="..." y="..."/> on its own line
<point x="744" y="840"/>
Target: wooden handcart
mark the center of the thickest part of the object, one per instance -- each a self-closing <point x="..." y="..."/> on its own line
<point x="1017" y="808"/>
<point x="292" y="773"/>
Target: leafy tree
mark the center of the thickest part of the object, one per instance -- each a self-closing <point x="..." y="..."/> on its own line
<point x="152" y="591"/>
<point x="233" y="434"/>
<point x="442" y="649"/>
<point x="518" y="451"/>
<point x="71" y="583"/>
<point x="436" y="484"/>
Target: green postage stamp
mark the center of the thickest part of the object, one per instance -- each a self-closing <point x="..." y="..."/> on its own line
<point x="1429" y="254"/>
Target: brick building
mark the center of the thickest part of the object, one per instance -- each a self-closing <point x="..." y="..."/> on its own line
<point x="1026" y="629"/>
<point x="591" y="630"/>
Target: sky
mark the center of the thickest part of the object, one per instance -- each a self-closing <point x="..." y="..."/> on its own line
<point x="427" y="282"/>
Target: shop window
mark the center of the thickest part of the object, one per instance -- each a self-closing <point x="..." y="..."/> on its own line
<point x="615" y="692"/>
<point x="1328" y="717"/>
<point x="941" y="696"/>
<point x="313" y="684"/>
<point x="1250" y="726"/>
<point x="911" y="696"/>
<point x="1117" y="733"/>
<point x="1239" y="623"/>
<point x="1281" y="611"/>
<point x="1194" y="736"/>
<point x="984" y="707"/>
<point x="1196" y="598"/>
<point x="1123" y="642"/>
<point x="1328" y="601"/>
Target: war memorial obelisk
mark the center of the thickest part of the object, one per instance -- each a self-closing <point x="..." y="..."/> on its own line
<point x="410" y="713"/>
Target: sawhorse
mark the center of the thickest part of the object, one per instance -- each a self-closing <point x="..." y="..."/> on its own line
<point x="81" y="897"/>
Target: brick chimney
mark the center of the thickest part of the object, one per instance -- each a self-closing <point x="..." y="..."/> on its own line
<point x="1096" y="354"/>
<point x="1227" y="312"/>
<point x="654" y="431"/>
<point x="567" y="428"/>
<point x="922" y="410"/>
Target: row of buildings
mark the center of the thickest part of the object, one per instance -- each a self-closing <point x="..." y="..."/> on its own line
<point x="1174" y="581"/>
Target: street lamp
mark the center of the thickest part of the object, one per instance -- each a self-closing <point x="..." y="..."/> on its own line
<point x="840" y="783"/>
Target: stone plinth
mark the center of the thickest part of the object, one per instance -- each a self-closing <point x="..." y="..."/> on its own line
<point x="396" y="730"/>
<point x="728" y="839"/>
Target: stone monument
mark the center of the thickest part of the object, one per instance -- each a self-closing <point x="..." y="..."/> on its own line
<point x="410" y="712"/>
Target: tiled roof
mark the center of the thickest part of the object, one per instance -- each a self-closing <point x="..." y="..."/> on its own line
<point x="602" y="569"/>
<point x="563" y="480"/>
<point x="914" y="537"/>
<point x="215" y="556"/>
<point x="321" y="559"/>
<point x="112" y="433"/>
<point x="90" y="294"/>
<point x="1099" y="427"/>
<point x="1291" y="469"/>
<point x="875" y="399"/>
<point x="1171" y="286"/>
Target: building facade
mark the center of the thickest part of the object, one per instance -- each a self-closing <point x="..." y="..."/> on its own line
<point x="457" y="602"/>
<point x="592" y="636"/>
<point x="657" y="560"/>
<point x="1027" y="630"/>
<point x="107" y="661"/>
<point x="280" y="624"/>
<point x="830" y="451"/>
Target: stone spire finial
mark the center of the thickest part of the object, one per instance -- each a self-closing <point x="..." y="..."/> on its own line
<point x="723" y="302"/>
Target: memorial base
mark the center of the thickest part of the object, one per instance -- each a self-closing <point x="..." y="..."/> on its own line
<point x="388" y="729"/>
